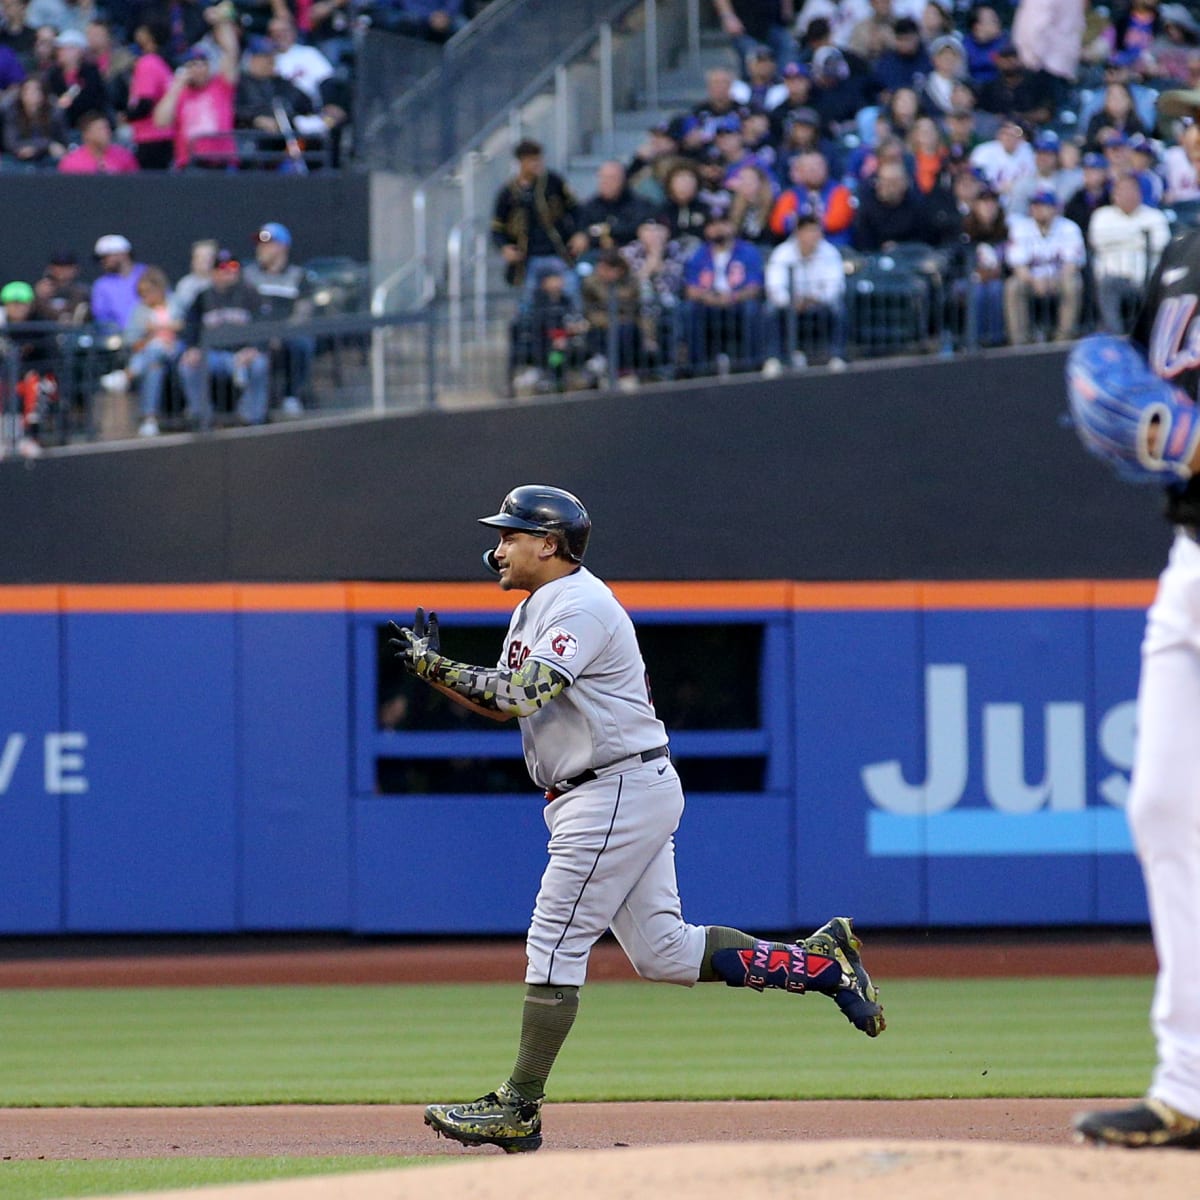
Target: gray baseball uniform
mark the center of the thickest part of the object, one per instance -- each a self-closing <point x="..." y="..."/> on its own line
<point x="612" y="853"/>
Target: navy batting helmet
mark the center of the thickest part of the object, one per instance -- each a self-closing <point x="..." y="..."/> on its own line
<point x="536" y="508"/>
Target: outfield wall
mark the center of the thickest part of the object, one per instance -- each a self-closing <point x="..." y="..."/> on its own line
<point x="209" y="758"/>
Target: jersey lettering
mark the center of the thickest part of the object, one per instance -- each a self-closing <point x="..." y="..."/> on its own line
<point x="1175" y="340"/>
<point x="517" y="654"/>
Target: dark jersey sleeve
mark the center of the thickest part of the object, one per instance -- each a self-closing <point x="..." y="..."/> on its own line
<point x="1167" y="330"/>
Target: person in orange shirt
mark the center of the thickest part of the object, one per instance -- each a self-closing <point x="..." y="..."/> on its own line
<point x="929" y="154"/>
<point x="812" y="191"/>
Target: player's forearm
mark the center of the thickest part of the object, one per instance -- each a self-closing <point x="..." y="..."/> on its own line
<point x="470" y="705"/>
<point x="518" y="693"/>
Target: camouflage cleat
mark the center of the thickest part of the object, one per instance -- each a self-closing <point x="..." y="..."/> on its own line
<point x="501" y="1118"/>
<point x="1147" y="1123"/>
<point x="857" y="997"/>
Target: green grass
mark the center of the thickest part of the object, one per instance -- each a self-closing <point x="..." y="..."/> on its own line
<point x="635" y="1041"/>
<point x="60" y="1179"/>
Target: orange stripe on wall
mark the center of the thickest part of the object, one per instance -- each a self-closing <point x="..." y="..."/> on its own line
<point x="399" y="599"/>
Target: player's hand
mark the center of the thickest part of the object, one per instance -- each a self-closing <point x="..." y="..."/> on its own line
<point x="419" y="646"/>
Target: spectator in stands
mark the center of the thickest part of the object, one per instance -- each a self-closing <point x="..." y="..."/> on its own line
<point x="653" y="160"/>
<point x="723" y="282"/>
<point x="201" y="262"/>
<point x="1049" y="36"/>
<point x="839" y="19"/>
<point x="34" y="352"/>
<point x="1145" y="167"/>
<point x="35" y="130"/>
<point x="839" y="91"/>
<point x="610" y="218"/>
<point x="936" y="19"/>
<point x="656" y="261"/>
<point x="533" y="219"/>
<point x="685" y="213"/>
<point x="928" y="154"/>
<point x="198" y="107"/>
<point x="890" y="212"/>
<point x="962" y="135"/>
<point x="729" y="152"/>
<point x="1136" y="29"/>
<point x="805" y="289"/>
<point x="114" y="293"/>
<point x="260" y="88"/>
<point x="12" y="72"/>
<point x="984" y="37"/>
<point x="62" y="15"/>
<point x="149" y="82"/>
<point x="114" y="59"/>
<point x="1004" y="160"/>
<point x="1045" y="256"/>
<point x="797" y="84"/>
<point x="1092" y="194"/>
<point x="1173" y="55"/>
<point x="284" y="293"/>
<point x="752" y="196"/>
<point x="903" y="107"/>
<point x="331" y="30"/>
<point x="875" y="34"/>
<point x="74" y="83"/>
<point x="548" y="336"/>
<point x="16" y="33"/>
<point x="1181" y="166"/>
<point x="1117" y="114"/>
<point x="304" y="66"/>
<point x="751" y="23"/>
<point x="611" y="304"/>
<point x="985" y="240"/>
<point x="762" y="87"/>
<point x="906" y="64"/>
<point x="96" y="153"/>
<point x="802" y="135"/>
<point x="1018" y="92"/>
<point x="718" y="100"/>
<point x="939" y="90"/>
<point x="1047" y="176"/>
<point x="1126" y="239"/>
<point x="812" y="192"/>
<point x="61" y="295"/>
<point x="45" y="52"/>
<point x="151" y="337"/>
<point x="433" y="20"/>
<point x="186" y="23"/>
<point x="228" y="301"/>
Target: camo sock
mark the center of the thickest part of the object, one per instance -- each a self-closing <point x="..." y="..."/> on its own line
<point x="744" y="961"/>
<point x="546" y="1020"/>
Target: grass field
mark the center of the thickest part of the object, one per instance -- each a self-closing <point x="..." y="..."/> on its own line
<point x="374" y="1044"/>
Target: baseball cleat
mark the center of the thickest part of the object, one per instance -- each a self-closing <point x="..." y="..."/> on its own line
<point x="857" y="997"/>
<point x="502" y="1118"/>
<point x="1150" y="1122"/>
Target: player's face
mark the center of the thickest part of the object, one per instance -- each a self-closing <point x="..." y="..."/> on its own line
<point x="522" y="559"/>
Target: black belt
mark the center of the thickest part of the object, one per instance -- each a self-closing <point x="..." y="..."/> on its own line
<point x="594" y="773"/>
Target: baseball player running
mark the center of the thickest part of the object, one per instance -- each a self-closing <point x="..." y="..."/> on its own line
<point x="571" y="672"/>
<point x="1133" y="403"/>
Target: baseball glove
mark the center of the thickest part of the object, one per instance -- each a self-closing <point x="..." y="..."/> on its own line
<point x="419" y="646"/>
<point x="1145" y="429"/>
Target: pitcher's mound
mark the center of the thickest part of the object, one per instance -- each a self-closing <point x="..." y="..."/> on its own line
<point x="866" y="1170"/>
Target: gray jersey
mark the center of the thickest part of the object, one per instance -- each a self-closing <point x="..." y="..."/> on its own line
<point x="576" y="626"/>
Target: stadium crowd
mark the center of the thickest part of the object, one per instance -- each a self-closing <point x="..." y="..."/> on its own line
<point x="110" y="86"/>
<point x="876" y="176"/>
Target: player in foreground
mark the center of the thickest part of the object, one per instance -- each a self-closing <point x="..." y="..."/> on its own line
<point x="571" y="672"/>
<point x="1134" y="406"/>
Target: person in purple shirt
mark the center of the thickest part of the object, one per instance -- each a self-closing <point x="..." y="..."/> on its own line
<point x="114" y="294"/>
<point x="11" y="70"/>
<point x="723" y="287"/>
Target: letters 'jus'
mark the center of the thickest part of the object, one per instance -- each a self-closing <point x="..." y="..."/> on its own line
<point x="62" y="762"/>
<point x="1063" y="786"/>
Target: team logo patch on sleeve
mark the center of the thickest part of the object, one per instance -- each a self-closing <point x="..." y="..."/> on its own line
<point x="564" y="643"/>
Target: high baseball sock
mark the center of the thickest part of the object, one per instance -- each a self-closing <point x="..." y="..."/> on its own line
<point x="745" y="961"/>
<point x="548" y="1016"/>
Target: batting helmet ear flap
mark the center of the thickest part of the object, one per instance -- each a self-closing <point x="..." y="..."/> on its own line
<point x="489" y="561"/>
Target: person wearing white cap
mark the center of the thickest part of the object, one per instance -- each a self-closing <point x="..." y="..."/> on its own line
<point x="74" y="83"/>
<point x="114" y="294"/>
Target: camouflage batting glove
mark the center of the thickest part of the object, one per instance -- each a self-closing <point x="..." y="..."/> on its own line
<point x="419" y="647"/>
